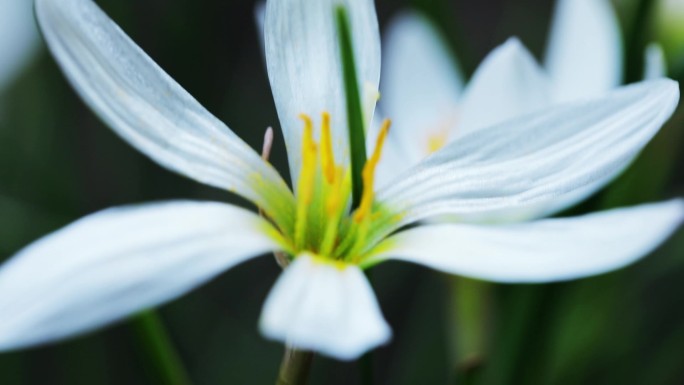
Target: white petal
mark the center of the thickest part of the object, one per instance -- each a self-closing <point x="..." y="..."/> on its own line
<point x="259" y="16"/>
<point x="303" y="59"/>
<point x="330" y="309"/>
<point x="146" y="107"/>
<point x="421" y="83"/>
<point x="507" y="84"/>
<point x="655" y="65"/>
<point x="114" y="263"/>
<point x="18" y="37"/>
<point x="536" y="165"/>
<point x="396" y="157"/>
<point x="541" y="251"/>
<point x="584" y="53"/>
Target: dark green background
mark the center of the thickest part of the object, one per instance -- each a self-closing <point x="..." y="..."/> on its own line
<point x="58" y="163"/>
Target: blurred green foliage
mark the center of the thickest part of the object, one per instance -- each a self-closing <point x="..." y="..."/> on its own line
<point x="59" y="162"/>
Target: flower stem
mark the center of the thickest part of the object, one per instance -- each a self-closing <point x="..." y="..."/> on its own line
<point x="470" y="326"/>
<point x="294" y="370"/>
<point x="158" y="350"/>
<point x="636" y="39"/>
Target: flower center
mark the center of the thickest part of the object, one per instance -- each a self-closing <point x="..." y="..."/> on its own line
<point x="324" y="224"/>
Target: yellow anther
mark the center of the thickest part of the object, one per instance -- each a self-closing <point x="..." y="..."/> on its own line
<point x="307" y="173"/>
<point x="334" y="199"/>
<point x="368" y="174"/>
<point x="334" y="207"/>
<point x="327" y="155"/>
<point x="436" y="141"/>
<point x="307" y="176"/>
<point x="439" y="136"/>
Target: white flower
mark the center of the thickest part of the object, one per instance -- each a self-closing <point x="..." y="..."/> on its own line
<point x="111" y="264"/>
<point x="18" y="37"/>
<point x="423" y="88"/>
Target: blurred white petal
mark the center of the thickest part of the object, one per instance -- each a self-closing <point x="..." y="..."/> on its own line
<point x="319" y="306"/>
<point x="538" y="164"/>
<point x="655" y="65"/>
<point x="541" y="251"/>
<point x="146" y="107"/>
<point x="305" y="70"/>
<point x="584" y="52"/>
<point x="421" y="82"/>
<point x="507" y="84"/>
<point x="120" y="261"/>
<point x="18" y="37"/>
<point x="259" y="16"/>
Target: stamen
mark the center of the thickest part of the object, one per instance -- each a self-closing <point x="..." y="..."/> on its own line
<point x="369" y="174"/>
<point x="440" y="133"/>
<point x="306" y="180"/>
<point x="334" y="211"/>
<point x="307" y="174"/>
<point x="327" y="155"/>
<point x="335" y="194"/>
<point x="268" y="144"/>
<point x="280" y="257"/>
<point x="324" y="192"/>
<point x="437" y="141"/>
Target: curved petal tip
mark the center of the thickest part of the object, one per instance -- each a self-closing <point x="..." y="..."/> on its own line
<point x="325" y="307"/>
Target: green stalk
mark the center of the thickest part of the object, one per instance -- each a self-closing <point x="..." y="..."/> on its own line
<point x="294" y="370"/>
<point x="515" y="324"/>
<point x="470" y="327"/>
<point x="158" y="350"/>
<point x="636" y="40"/>
<point x="357" y="132"/>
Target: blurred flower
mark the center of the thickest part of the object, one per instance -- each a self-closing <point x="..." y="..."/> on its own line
<point x="18" y="37"/>
<point x="423" y="88"/>
<point x="655" y="65"/>
<point x="116" y="262"/>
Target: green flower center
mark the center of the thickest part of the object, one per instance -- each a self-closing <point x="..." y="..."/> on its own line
<point x="324" y="226"/>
